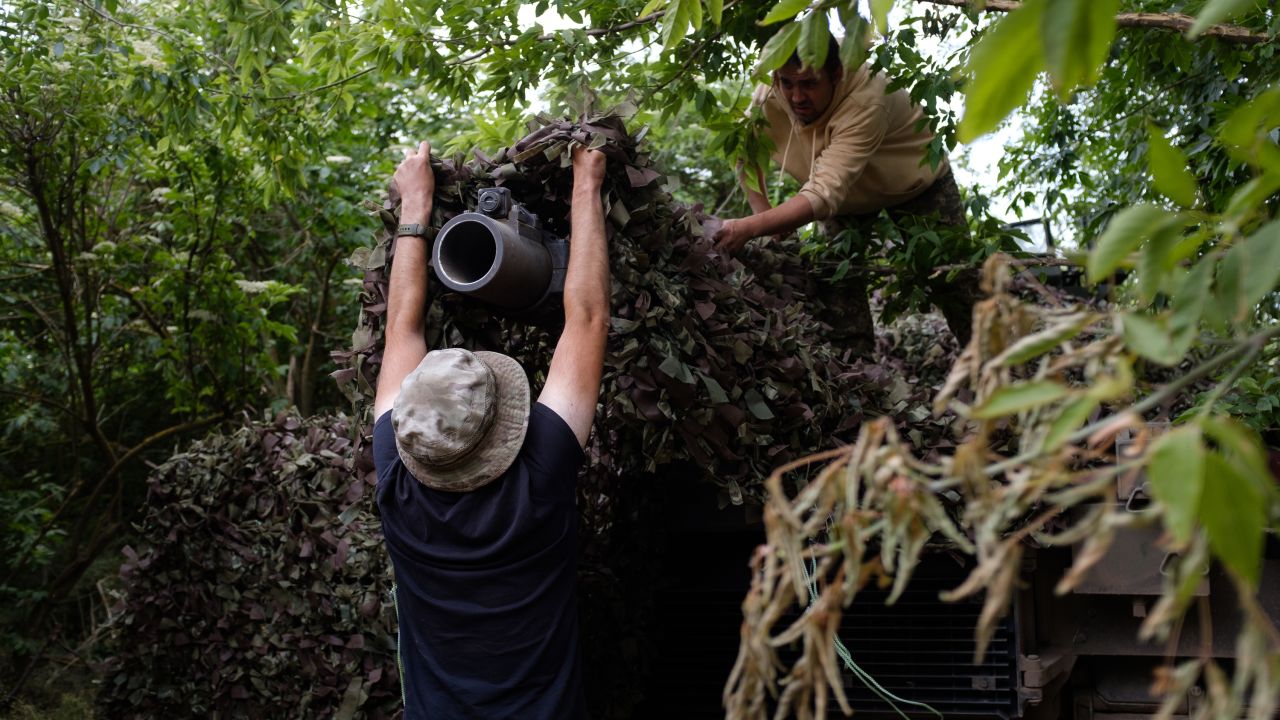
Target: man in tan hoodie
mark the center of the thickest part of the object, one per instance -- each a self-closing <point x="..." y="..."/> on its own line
<point x="858" y="149"/>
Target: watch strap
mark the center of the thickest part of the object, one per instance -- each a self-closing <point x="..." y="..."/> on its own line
<point x="416" y="230"/>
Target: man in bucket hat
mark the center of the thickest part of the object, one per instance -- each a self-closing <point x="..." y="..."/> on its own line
<point x="476" y="488"/>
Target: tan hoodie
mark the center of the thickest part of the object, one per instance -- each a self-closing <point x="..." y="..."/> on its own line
<point x="861" y="155"/>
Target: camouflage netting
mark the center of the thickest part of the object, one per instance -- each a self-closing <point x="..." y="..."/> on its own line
<point x="260" y="587"/>
<point x="714" y="361"/>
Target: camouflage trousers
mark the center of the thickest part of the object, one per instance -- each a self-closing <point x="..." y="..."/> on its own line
<point x="848" y="309"/>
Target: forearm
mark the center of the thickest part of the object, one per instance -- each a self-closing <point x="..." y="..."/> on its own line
<point x="573" y="379"/>
<point x="407" y="292"/>
<point x="758" y="202"/>
<point x="406" y="342"/>
<point x="788" y="216"/>
<point x="586" y="285"/>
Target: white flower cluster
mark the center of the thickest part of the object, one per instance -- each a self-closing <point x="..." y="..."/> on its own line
<point x="252" y="287"/>
<point x="8" y="209"/>
<point x="160" y="195"/>
<point x="148" y="55"/>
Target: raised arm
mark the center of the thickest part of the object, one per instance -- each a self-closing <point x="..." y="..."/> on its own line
<point x="573" y="382"/>
<point x="406" y="343"/>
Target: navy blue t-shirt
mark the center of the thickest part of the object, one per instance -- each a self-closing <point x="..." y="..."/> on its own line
<point x="486" y="582"/>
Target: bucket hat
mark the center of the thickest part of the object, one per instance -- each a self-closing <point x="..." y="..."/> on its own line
<point x="461" y="418"/>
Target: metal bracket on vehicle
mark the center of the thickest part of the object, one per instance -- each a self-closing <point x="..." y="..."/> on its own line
<point x="1038" y="671"/>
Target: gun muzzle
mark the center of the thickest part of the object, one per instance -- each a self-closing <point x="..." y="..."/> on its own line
<point x="488" y="259"/>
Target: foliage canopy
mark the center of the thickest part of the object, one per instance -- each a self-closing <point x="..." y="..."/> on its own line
<point x="179" y="188"/>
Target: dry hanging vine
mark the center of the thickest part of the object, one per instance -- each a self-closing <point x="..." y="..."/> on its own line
<point x="1058" y="379"/>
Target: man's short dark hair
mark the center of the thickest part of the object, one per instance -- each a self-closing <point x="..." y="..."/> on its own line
<point x="831" y="66"/>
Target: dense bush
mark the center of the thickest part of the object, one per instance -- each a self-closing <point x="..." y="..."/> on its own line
<point x="259" y="587"/>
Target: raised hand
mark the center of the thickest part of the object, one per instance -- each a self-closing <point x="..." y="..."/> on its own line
<point x="588" y="166"/>
<point x="416" y="184"/>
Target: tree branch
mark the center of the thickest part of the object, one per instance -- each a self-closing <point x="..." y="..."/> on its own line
<point x="1176" y="22"/>
<point x="40" y="399"/>
<point x="157" y="437"/>
<point x="688" y="62"/>
<point x="939" y="269"/>
<point x="321" y="88"/>
<point x="306" y="382"/>
<point x="150" y="319"/>
<point x="111" y="473"/>
<point x="590" y="32"/>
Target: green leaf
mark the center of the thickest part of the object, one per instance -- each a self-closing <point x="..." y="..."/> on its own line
<point x="1246" y="133"/>
<point x="1224" y="308"/>
<point x="1152" y="338"/>
<point x="853" y="49"/>
<point x="880" y="14"/>
<point x="1105" y="388"/>
<point x="1234" y="517"/>
<point x="813" y="40"/>
<point x="1123" y="235"/>
<point x="1253" y="193"/>
<point x="1077" y="35"/>
<point x="779" y="48"/>
<point x="1002" y="67"/>
<point x="784" y="10"/>
<point x="1215" y="11"/>
<point x="695" y="13"/>
<point x="1175" y="475"/>
<point x="1068" y="421"/>
<point x="1190" y="299"/>
<point x="1242" y="446"/>
<point x="1260" y="260"/>
<point x="1012" y="399"/>
<point x="1169" y="168"/>
<point x="1165" y="249"/>
<point x="1246" y="275"/>
<point x="675" y="23"/>
<point x="651" y="7"/>
<point x="715" y="9"/>
<point x="1037" y="344"/>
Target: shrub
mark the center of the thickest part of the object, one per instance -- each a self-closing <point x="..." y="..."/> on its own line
<point x="260" y="587"/>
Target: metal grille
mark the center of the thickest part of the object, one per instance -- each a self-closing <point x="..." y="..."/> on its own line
<point x="920" y="649"/>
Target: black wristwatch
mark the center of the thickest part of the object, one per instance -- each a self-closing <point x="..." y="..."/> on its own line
<point x="416" y="230"/>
